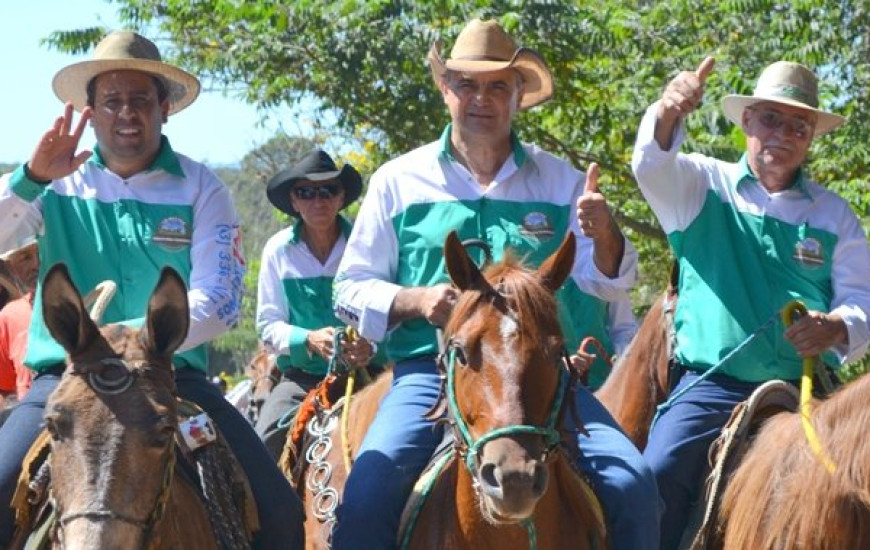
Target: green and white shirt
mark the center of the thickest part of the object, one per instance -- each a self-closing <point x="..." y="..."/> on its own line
<point x="177" y="213"/>
<point x="294" y="296"/>
<point x="415" y="200"/>
<point x="744" y="253"/>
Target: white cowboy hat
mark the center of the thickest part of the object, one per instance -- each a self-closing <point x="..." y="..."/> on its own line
<point x="119" y="51"/>
<point x="787" y="83"/>
<point x="482" y="47"/>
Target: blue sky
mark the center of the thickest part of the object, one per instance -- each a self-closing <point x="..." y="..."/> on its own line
<point x="215" y="129"/>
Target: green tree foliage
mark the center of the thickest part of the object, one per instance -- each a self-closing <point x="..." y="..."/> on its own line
<point x="363" y="61"/>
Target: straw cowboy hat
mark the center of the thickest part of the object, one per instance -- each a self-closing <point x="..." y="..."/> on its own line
<point x="119" y="51"/>
<point x="789" y="84"/>
<point x="8" y="281"/>
<point x="315" y="166"/>
<point x="483" y="46"/>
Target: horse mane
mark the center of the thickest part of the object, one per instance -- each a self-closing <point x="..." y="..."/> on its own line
<point x="531" y="301"/>
<point x="805" y="506"/>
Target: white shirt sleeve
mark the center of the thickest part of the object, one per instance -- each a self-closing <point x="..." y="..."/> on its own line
<point x="217" y="264"/>
<point x="851" y="299"/>
<point x="273" y="311"/>
<point x="621" y="324"/>
<point x="674" y="184"/>
<point x="364" y="287"/>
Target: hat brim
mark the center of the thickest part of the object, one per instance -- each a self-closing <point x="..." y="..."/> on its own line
<point x="348" y="177"/>
<point x="537" y="79"/>
<point x="7" y="282"/>
<point x="734" y="105"/>
<point x="70" y="83"/>
<point x="27" y="243"/>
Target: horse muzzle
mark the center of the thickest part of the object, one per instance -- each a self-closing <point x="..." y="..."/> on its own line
<point x="510" y="481"/>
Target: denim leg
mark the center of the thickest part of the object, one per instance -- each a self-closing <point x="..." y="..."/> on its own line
<point x="620" y="476"/>
<point x="279" y="507"/>
<point x="16" y="436"/>
<point x="679" y="442"/>
<point x="395" y="450"/>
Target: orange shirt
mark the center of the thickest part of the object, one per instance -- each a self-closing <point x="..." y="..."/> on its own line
<point x="14" y="324"/>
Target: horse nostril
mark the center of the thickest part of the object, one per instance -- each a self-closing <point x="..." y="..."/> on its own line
<point x="542" y="477"/>
<point x="489" y="481"/>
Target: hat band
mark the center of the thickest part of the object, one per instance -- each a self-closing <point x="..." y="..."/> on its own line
<point x="791" y="92"/>
<point x="479" y="58"/>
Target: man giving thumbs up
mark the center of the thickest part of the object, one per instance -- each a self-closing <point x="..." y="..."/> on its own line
<point x="749" y="237"/>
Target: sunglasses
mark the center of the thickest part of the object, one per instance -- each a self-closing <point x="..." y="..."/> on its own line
<point x="310" y="192"/>
<point x="774" y="120"/>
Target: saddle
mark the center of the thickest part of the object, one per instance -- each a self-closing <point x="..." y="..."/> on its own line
<point x="728" y="451"/>
<point x="35" y="516"/>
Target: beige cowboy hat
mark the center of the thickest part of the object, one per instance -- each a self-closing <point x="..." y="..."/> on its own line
<point x="8" y="282"/>
<point x="483" y="46"/>
<point x="787" y="83"/>
<point x="119" y="51"/>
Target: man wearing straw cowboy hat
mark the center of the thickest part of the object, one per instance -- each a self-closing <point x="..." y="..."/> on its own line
<point x="777" y="236"/>
<point x="19" y="269"/>
<point x="121" y="213"/>
<point x="480" y="180"/>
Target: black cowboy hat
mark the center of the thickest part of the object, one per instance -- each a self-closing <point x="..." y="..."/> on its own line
<point x="315" y="166"/>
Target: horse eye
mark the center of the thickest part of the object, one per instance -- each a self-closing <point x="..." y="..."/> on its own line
<point x="57" y="424"/>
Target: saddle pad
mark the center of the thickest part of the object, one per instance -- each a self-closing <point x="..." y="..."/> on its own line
<point x="21" y="500"/>
<point x="729" y="448"/>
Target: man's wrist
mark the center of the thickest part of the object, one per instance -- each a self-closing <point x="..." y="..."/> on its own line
<point x="29" y="175"/>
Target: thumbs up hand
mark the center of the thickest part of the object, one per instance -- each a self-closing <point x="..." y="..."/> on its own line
<point x="593" y="213"/>
<point x="683" y="94"/>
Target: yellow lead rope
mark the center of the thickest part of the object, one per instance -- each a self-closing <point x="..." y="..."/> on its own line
<point x="789" y="312"/>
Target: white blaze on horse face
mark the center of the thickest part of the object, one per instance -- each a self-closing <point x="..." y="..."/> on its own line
<point x="506" y="411"/>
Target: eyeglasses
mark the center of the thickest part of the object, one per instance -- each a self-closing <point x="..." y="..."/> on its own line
<point x="774" y="120"/>
<point x="309" y="192"/>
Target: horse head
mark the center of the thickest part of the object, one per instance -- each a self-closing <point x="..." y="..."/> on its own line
<point x="112" y="418"/>
<point x="505" y="375"/>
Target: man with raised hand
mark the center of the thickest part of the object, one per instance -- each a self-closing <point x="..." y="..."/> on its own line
<point x="749" y="237"/>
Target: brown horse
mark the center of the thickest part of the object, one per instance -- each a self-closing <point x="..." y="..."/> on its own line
<point x="112" y="421"/>
<point x="264" y="374"/>
<point x="508" y="479"/>
<point x="783" y="497"/>
<point x="639" y="380"/>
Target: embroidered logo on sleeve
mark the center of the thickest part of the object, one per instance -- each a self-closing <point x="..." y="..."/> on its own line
<point x="809" y="253"/>
<point x="172" y="233"/>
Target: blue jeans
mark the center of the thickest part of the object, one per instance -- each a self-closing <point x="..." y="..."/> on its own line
<point x="400" y="442"/>
<point x="279" y="507"/>
<point x="679" y="441"/>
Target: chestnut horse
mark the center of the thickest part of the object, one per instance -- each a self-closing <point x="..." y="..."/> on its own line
<point x="508" y="483"/>
<point x="639" y="381"/>
<point x="782" y="496"/>
<point x="113" y="422"/>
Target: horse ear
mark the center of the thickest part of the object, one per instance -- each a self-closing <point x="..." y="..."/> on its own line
<point x="64" y="312"/>
<point x="558" y="266"/>
<point x="462" y="270"/>
<point x="168" y="315"/>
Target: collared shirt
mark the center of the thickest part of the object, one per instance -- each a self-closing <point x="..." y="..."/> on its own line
<point x="14" y="320"/>
<point x="745" y="252"/>
<point x="415" y="200"/>
<point x="294" y="296"/>
<point x="176" y="213"/>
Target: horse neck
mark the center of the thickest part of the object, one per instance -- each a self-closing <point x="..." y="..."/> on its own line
<point x="638" y="381"/>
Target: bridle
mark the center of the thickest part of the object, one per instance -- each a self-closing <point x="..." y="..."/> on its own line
<point x="466" y="445"/>
<point x="106" y="386"/>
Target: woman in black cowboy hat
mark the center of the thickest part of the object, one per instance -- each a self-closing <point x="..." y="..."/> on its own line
<point x="294" y="296"/>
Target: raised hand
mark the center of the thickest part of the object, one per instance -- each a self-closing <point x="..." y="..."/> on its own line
<point x="592" y="211"/>
<point x="55" y="154"/>
<point x="596" y="222"/>
<point x="684" y="93"/>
